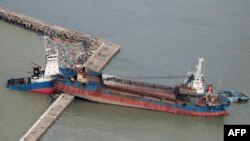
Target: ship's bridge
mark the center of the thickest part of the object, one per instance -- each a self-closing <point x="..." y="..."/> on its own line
<point x="52" y="54"/>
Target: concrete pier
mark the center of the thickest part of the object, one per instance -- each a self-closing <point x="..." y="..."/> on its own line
<point x="48" y="118"/>
<point x="101" y="57"/>
<point x="96" y="62"/>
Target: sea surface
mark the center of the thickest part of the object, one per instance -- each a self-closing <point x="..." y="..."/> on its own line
<point x="158" y="38"/>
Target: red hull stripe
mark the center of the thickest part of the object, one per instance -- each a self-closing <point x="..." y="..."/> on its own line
<point x="44" y="90"/>
<point x="111" y="99"/>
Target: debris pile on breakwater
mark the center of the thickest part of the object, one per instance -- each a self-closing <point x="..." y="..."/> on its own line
<point x="49" y="29"/>
<point x="70" y="53"/>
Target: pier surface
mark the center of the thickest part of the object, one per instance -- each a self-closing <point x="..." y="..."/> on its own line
<point x="101" y="57"/>
<point x="48" y="118"/>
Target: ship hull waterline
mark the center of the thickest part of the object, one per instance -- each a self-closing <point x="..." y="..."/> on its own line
<point x="101" y="97"/>
<point x="45" y="88"/>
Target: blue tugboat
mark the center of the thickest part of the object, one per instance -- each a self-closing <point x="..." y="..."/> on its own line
<point x="41" y="79"/>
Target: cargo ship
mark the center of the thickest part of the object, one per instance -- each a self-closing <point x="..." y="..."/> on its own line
<point x="103" y="88"/>
<point x="41" y="79"/>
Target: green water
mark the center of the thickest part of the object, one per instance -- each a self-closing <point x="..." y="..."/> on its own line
<point x="161" y="37"/>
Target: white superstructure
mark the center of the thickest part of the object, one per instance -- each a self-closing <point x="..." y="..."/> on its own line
<point x="198" y="80"/>
<point x="51" y="65"/>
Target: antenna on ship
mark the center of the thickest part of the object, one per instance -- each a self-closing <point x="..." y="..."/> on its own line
<point x="218" y="86"/>
<point x="198" y="73"/>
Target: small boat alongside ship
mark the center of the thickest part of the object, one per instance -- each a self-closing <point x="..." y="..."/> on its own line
<point x="103" y="88"/>
<point x="41" y="79"/>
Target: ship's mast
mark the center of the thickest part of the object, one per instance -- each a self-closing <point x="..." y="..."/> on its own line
<point x="198" y="83"/>
<point x="198" y="74"/>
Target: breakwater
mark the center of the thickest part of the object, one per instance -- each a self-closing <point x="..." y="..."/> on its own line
<point x="50" y="30"/>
